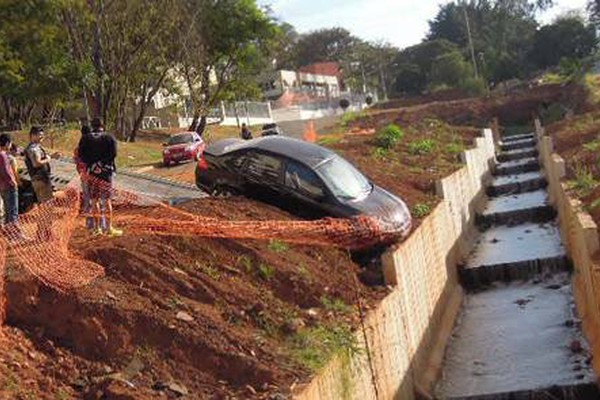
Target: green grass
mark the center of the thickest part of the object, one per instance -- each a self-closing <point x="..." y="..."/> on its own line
<point x="278" y="246"/>
<point x="388" y="136"/>
<point x="314" y="347"/>
<point x="266" y="272"/>
<point x="350" y="117"/>
<point x="335" y="305"/>
<point x="211" y="271"/>
<point x="455" y="148"/>
<point x="584" y="181"/>
<point x="424" y="146"/>
<point x="592" y="146"/>
<point x="421" y="210"/>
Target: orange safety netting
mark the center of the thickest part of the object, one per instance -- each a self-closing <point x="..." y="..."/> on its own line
<point x="40" y="240"/>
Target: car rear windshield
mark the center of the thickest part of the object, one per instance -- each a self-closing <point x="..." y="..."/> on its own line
<point x="343" y="179"/>
<point x="181" y="139"/>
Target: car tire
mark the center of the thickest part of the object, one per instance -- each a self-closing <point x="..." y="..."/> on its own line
<point x="222" y="191"/>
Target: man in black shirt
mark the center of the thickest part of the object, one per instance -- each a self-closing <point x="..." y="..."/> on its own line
<point x="98" y="151"/>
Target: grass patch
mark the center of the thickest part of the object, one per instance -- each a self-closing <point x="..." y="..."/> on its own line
<point x="455" y="148"/>
<point x="335" y="305"/>
<point x="210" y="271"/>
<point x="314" y="347"/>
<point x="329" y="140"/>
<point x="421" y="147"/>
<point x="350" y="117"/>
<point x="421" y="210"/>
<point x="380" y="154"/>
<point x="266" y="272"/>
<point x="584" y="181"/>
<point x="388" y="137"/>
<point x="278" y="246"/>
<point x="592" y="146"/>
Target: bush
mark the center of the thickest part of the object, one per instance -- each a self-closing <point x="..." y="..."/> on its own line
<point x="389" y="136"/>
<point x="421" y="210"/>
<point x="473" y="86"/>
<point x="424" y="146"/>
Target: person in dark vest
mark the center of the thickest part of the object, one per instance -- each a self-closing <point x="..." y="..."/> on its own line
<point x="37" y="161"/>
<point x="98" y="151"/>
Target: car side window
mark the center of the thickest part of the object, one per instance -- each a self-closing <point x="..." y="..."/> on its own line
<point x="263" y="166"/>
<point x="302" y="178"/>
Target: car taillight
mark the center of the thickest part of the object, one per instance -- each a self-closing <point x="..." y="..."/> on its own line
<point x="202" y="164"/>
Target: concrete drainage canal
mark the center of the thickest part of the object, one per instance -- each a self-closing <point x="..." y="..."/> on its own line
<point x="518" y="335"/>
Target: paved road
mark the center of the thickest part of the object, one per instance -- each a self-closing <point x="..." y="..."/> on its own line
<point x="153" y="186"/>
<point x="296" y="128"/>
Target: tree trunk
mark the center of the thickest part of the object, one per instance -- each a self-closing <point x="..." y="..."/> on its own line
<point x="201" y="125"/>
<point x="194" y="124"/>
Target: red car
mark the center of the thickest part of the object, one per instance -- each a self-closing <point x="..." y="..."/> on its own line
<point x="182" y="147"/>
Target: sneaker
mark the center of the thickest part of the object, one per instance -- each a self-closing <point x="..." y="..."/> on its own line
<point x="114" y="232"/>
<point x="97" y="232"/>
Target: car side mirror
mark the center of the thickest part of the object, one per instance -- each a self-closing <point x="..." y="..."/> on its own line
<point x="164" y="144"/>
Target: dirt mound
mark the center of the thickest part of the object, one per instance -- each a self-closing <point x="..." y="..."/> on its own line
<point x="515" y="109"/>
<point x="218" y="318"/>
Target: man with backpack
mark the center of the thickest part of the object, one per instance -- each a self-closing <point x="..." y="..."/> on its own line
<point x="97" y="151"/>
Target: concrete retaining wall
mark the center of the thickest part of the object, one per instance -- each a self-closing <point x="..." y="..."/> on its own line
<point x="580" y="236"/>
<point x="407" y="333"/>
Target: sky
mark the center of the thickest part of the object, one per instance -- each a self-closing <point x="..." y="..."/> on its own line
<point x="400" y="22"/>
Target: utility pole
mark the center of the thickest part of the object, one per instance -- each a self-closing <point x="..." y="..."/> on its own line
<point x="470" y="38"/>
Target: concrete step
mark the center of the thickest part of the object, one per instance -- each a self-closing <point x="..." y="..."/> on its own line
<point x="516" y="209"/>
<point x="517" y="144"/>
<point x="518" y="341"/>
<point x="513" y="138"/>
<point x="517" y="166"/>
<point x="517" y="183"/>
<point x="509" y="253"/>
<point x="517" y="154"/>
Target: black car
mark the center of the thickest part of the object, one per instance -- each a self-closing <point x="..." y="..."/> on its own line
<point x="303" y="178"/>
<point x="270" y="129"/>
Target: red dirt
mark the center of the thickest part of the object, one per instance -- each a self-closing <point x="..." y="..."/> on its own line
<point x="244" y="298"/>
<point x="570" y="138"/>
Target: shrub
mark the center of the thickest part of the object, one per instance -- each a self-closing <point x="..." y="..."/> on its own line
<point x="389" y="136"/>
<point x="421" y="210"/>
<point x="424" y="146"/>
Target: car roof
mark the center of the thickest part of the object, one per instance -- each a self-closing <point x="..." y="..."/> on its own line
<point x="182" y="133"/>
<point x="299" y="150"/>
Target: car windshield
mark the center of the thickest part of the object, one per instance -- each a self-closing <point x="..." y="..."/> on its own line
<point x="180" y="139"/>
<point x="343" y="179"/>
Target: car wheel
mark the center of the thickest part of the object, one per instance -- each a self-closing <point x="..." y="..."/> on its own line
<point x="222" y="191"/>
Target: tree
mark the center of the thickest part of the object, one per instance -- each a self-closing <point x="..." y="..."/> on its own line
<point x="450" y="70"/>
<point x="502" y="30"/>
<point x="333" y="44"/>
<point x="35" y="68"/>
<point x="567" y="37"/>
<point x="414" y="65"/>
<point x="123" y="47"/>
<point x="224" y="45"/>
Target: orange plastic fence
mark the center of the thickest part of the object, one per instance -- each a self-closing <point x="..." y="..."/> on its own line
<point x="40" y="241"/>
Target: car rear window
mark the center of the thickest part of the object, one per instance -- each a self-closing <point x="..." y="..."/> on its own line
<point x="181" y="139"/>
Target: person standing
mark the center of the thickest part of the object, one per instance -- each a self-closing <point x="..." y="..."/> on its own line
<point x="245" y="132"/>
<point x="86" y="201"/>
<point x="98" y="151"/>
<point x="9" y="189"/>
<point x="37" y="161"/>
